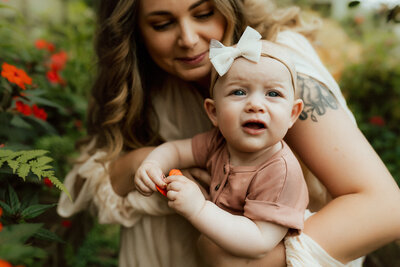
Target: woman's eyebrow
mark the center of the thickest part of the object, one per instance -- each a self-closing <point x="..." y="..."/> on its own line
<point x="163" y="13"/>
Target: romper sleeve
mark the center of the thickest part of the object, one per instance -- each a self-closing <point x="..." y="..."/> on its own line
<point x="98" y="196"/>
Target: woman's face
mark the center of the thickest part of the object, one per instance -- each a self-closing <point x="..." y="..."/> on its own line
<point x="177" y="34"/>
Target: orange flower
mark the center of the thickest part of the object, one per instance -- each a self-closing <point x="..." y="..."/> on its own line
<point x="4" y="263"/>
<point x="1" y="212"/>
<point x="15" y="75"/>
<point x="39" y="112"/>
<point x="54" y="77"/>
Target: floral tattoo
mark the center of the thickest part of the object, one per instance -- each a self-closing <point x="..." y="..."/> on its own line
<point x="316" y="97"/>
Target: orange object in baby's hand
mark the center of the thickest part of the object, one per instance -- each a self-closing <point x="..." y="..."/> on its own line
<point x="171" y="172"/>
<point x="174" y="172"/>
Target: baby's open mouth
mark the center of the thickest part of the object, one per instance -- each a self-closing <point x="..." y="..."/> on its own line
<point x="254" y="125"/>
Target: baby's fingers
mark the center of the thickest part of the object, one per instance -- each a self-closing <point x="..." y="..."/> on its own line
<point x="143" y="188"/>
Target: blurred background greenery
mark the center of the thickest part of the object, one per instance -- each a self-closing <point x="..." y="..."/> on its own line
<point x="52" y="42"/>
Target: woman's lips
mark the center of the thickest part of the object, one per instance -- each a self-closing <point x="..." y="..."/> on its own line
<point x="193" y="60"/>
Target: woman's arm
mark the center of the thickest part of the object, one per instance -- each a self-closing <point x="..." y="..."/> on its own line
<point x="364" y="213"/>
<point x="123" y="169"/>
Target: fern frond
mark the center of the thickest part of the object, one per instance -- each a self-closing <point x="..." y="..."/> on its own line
<point x="59" y="185"/>
<point x="23" y="170"/>
<point x="31" y="154"/>
<point x="22" y="162"/>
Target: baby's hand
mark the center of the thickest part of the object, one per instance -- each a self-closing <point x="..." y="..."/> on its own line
<point x="184" y="196"/>
<point x="147" y="176"/>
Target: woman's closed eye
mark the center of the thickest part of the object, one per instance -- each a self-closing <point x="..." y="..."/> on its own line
<point x="162" y="26"/>
<point x="205" y="15"/>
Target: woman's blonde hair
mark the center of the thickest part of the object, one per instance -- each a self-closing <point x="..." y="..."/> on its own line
<point x="120" y="113"/>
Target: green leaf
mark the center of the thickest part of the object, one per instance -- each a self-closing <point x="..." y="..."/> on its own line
<point x="35" y="210"/>
<point x="45" y="234"/>
<point x="44" y="160"/>
<point x="13" y="164"/>
<point x="18" y="233"/>
<point x="23" y="170"/>
<point x="6" y="208"/>
<point x="16" y="252"/>
<point x="19" y="122"/>
<point x="13" y="200"/>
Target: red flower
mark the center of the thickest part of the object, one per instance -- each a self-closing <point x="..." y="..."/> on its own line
<point x="57" y="61"/>
<point x="66" y="223"/>
<point x="43" y="44"/>
<point x="1" y="212"/>
<point x="47" y="182"/>
<point x="78" y="124"/>
<point x="2" y="145"/>
<point x="39" y="112"/>
<point x="40" y="44"/>
<point x="23" y="108"/>
<point x="54" y="77"/>
<point x="377" y="120"/>
<point x="1" y="228"/>
<point x="15" y="75"/>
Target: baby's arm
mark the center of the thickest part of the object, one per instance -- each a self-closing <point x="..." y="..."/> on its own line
<point x="175" y="154"/>
<point x="236" y="234"/>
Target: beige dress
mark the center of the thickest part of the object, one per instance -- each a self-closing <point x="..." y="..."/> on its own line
<point x="152" y="235"/>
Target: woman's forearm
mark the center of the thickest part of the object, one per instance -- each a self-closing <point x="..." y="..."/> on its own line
<point x="123" y="169"/>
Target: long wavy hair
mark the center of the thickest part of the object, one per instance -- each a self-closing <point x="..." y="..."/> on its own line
<point x="120" y="113"/>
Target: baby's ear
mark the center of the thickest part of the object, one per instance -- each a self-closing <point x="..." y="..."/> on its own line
<point x="209" y="106"/>
<point x="296" y="110"/>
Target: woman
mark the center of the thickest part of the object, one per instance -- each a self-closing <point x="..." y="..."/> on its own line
<point x="153" y="74"/>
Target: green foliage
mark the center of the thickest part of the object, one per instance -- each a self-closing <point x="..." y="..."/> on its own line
<point x="23" y="162"/>
<point x="372" y="88"/>
<point x="100" y="248"/>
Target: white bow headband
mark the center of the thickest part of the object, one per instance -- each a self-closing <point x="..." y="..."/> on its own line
<point x="249" y="47"/>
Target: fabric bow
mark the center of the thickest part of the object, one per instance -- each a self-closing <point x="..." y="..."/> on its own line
<point x="249" y="47"/>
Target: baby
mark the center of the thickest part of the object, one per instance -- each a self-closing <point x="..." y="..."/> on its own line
<point x="257" y="189"/>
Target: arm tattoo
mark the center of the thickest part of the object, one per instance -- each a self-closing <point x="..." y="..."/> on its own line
<point x="316" y="96"/>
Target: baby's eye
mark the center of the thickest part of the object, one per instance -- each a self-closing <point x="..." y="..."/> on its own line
<point x="238" y="92"/>
<point x="273" y="94"/>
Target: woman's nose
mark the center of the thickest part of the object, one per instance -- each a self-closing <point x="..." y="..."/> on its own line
<point x="188" y="35"/>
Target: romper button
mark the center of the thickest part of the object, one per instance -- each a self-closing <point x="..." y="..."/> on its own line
<point x="217" y="187"/>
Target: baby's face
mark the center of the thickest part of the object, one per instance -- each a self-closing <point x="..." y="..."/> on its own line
<point x="254" y="103"/>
